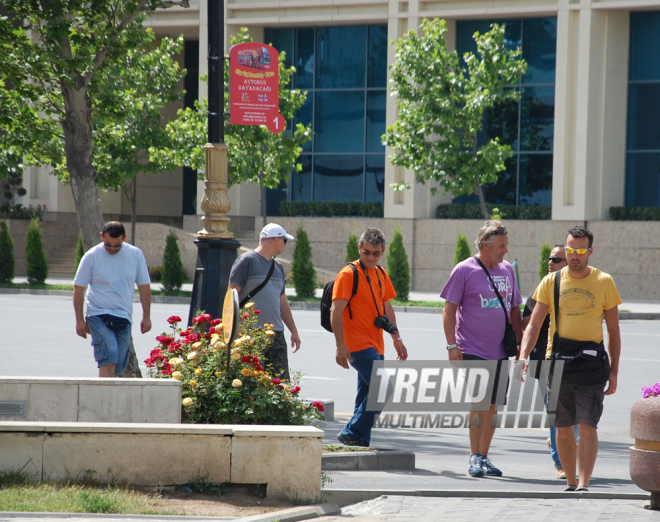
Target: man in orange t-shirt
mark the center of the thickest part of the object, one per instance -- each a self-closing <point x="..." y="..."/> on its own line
<point x="358" y="327"/>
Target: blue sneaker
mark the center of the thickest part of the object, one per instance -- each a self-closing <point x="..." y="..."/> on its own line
<point x="489" y="469"/>
<point x="474" y="467"/>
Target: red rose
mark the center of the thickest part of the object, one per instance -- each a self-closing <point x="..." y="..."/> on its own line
<point x="275" y="381"/>
<point x="318" y="405"/>
<point x="174" y="319"/>
<point x="255" y="360"/>
<point x="206" y="317"/>
<point x="245" y="316"/>
<point x="215" y="321"/>
<point x="295" y="389"/>
<point x="280" y="386"/>
<point x="258" y="367"/>
<point x="257" y="312"/>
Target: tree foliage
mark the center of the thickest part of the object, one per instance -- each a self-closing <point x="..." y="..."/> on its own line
<point x="172" y="274"/>
<point x="462" y="251"/>
<point x="78" y="84"/>
<point x="302" y="269"/>
<point x="398" y="267"/>
<point x="352" y="251"/>
<point x="37" y="267"/>
<point x="546" y="249"/>
<point x="254" y="153"/>
<point x="80" y="252"/>
<point x="7" y="264"/>
<point x="441" y="104"/>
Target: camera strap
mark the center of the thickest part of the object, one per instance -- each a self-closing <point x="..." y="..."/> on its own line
<point x="380" y="285"/>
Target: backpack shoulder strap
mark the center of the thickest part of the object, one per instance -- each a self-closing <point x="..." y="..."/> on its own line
<point x="356" y="279"/>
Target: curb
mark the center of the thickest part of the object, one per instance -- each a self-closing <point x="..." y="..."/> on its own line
<point x="378" y="460"/>
<point x="294" y="514"/>
<point x="345" y="497"/>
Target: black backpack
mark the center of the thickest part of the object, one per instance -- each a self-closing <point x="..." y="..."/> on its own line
<point x="326" y="298"/>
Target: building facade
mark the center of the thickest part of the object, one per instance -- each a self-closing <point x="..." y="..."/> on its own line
<point x="585" y="133"/>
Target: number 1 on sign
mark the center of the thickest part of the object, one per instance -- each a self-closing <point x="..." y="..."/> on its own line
<point x="277" y="123"/>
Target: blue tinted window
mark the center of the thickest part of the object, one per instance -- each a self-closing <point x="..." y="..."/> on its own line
<point x="304" y="116"/>
<point x="535" y="181"/>
<point x="377" y="58"/>
<point x="643" y="179"/>
<point x="338" y="178"/>
<point x="301" y="182"/>
<point x="539" y="49"/>
<point x="375" y="120"/>
<point x="644" y="116"/>
<point x="375" y="178"/>
<point x="465" y="34"/>
<point x="304" y="58"/>
<point x="339" y="120"/>
<point x="537" y="118"/>
<point x="282" y="40"/>
<point x="645" y="46"/>
<point x="341" y="54"/>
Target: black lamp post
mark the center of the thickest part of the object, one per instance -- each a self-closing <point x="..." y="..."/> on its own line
<point x="216" y="246"/>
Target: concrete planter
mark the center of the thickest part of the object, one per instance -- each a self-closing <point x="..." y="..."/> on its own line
<point x="645" y="455"/>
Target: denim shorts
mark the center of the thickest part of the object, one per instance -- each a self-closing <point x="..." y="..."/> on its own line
<point x="109" y="347"/>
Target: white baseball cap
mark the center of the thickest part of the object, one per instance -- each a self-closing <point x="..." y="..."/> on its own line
<point x="274" y="230"/>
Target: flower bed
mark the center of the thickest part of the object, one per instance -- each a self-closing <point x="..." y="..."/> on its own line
<point x="224" y="384"/>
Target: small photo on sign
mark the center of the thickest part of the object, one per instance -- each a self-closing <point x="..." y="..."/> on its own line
<point x="255" y="58"/>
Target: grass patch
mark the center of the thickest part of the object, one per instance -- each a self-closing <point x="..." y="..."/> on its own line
<point x="331" y="448"/>
<point x="429" y="304"/>
<point x="176" y="293"/>
<point x="38" y="287"/>
<point x="76" y="499"/>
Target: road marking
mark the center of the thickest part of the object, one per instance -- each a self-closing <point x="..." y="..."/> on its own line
<point x="309" y="377"/>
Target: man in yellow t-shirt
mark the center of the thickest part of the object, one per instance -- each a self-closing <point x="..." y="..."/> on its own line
<point x="359" y="340"/>
<point x="586" y="295"/>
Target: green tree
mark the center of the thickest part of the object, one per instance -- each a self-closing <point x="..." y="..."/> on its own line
<point x="6" y="254"/>
<point x="398" y="267"/>
<point x="441" y="104"/>
<point x="352" y="251"/>
<point x="545" y="254"/>
<point x="254" y="153"/>
<point x="172" y="275"/>
<point x="462" y="251"/>
<point x="37" y="267"/>
<point x="80" y="252"/>
<point x="302" y="269"/>
<point x="58" y="57"/>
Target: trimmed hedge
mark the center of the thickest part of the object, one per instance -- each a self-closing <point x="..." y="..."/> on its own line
<point x="635" y="213"/>
<point x="473" y="211"/>
<point x="330" y="209"/>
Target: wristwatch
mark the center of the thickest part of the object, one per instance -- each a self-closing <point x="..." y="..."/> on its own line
<point x="450" y="346"/>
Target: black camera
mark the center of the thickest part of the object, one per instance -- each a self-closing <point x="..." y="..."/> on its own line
<point x="384" y="323"/>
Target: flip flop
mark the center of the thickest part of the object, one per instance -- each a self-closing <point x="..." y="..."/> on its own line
<point x="582" y="489"/>
<point x="570" y="488"/>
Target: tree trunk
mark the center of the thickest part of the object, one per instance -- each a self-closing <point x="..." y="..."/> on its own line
<point x="482" y="202"/>
<point x="77" y="127"/>
<point x="132" y="366"/>
<point x="262" y="188"/>
<point x="133" y="209"/>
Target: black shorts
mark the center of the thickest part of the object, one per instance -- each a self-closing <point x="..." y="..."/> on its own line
<point x="579" y="404"/>
<point x="495" y="399"/>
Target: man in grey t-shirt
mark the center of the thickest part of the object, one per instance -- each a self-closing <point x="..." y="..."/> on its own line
<point x="249" y="271"/>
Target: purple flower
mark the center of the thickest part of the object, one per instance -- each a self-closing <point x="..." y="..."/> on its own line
<point x="653" y="391"/>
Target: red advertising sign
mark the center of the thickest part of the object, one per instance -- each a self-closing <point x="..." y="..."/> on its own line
<point x="254" y="86"/>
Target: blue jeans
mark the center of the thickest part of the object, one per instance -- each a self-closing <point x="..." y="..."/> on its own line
<point x="359" y="427"/>
<point x="110" y="347"/>
<point x="553" y="445"/>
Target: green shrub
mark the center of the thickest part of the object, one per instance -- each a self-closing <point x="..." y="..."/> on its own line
<point x="302" y="269"/>
<point x="473" y="211"/>
<point x="80" y="252"/>
<point x="398" y="267"/>
<point x="37" y="267"/>
<point x="635" y="213"/>
<point x="155" y="273"/>
<point x="545" y="254"/>
<point x="7" y="265"/>
<point x="352" y="251"/>
<point x="172" y="272"/>
<point x="331" y="208"/>
<point x="462" y="251"/>
<point x="226" y="384"/>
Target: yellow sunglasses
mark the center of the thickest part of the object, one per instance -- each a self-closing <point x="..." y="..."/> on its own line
<point x="579" y="251"/>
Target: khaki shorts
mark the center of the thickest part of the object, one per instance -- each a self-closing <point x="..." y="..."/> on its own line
<point x="579" y="404"/>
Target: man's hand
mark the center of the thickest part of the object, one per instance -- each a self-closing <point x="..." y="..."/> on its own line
<point x="455" y="354"/>
<point x="401" y="351"/>
<point x="343" y="356"/>
<point x="611" y="384"/>
<point x="145" y="325"/>
<point x="295" y="342"/>
<point x="82" y="329"/>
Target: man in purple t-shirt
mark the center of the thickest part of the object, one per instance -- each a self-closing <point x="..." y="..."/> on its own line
<point x="474" y="324"/>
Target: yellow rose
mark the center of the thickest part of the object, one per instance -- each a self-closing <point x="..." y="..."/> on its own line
<point x="172" y="361"/>
<point x="234" y="350"/>
<point x="215" y="339"/>
<point x="265" y="378"/>
<point x="197" y="345"/>
<point x="192" y="355"/>
<point x="187" y="401"/>
<point x="217" y="373"/>
<point x="236" y="383"/>
<point x="198" y="371"/>
<point x="236" y="356"/>
<point x="222" y="345"/>
<point x="193" y="382"/>
<point x="270" y="332"/>
<point x="249" y="305"/>
<point x="176" y="375"/>
<point x="245" y="371"/>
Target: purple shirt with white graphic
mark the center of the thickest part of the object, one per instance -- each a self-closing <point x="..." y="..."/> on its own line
<point x="479" y="319"/>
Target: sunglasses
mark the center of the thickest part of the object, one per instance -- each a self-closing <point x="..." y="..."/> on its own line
<point x="368" y="253"/>
<point x="499" y="231"/>
<point x="556" y="259"/>
<point x="284" y="239"/>
<point x="108" y="245"/>
<point x="579" y="251"/>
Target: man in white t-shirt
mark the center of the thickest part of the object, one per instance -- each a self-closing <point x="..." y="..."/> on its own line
<point x="110" y="271"/>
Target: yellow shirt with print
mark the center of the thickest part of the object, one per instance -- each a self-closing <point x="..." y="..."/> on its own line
<point x="582" y="304"/>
